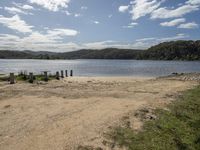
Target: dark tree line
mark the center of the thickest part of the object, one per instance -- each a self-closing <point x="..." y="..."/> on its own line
<point x="175" y="50"/>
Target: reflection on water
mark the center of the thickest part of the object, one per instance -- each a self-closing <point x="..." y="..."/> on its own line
<point x="101" y="67"/>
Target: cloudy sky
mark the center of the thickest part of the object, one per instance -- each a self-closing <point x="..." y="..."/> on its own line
<point x="66" y="25"/>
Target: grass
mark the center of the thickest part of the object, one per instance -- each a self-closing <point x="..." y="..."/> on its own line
<point x="26" y="78"/>
<point x="36" y="77"/>
<point x="177" y="129"/>
<point x="41" y="77"/>
<point x="4" y="78"/>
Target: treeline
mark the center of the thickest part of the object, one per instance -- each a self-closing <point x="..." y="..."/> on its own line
<point x="178" y="50"/>
<point x="175" y="50"/>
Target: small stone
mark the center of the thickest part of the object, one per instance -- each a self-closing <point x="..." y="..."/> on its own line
<point x="7" y="106"/>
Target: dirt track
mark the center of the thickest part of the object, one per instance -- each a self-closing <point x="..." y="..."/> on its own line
<point x="64" y="114"/>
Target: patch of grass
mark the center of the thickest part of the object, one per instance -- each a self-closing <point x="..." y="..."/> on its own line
<point x="21" y="77"/>
<point x="42" y="78"/>
<point x="178" y="128"/>
<point x="4" y="78"/>
<point x="26" y="78"/>
<point x="39" y="77"/>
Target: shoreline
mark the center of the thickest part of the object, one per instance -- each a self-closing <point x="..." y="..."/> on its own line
<point x="181" y="76"/>
<point x="178" y="60"/>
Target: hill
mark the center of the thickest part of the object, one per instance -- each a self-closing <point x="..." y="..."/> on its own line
<point x="178" y="50"/>
<point x="175" y="50"/>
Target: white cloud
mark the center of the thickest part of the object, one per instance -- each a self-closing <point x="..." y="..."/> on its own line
<point x="62" y="32"/>
<point x="145" y="39"/>
<point x="96" y="22"/>
<point x="193" y="2"/>
<point x="156" y="40"/>
<point x="7" y="38"/>
<point x="67" y="13"/>
<point x="52" y="5"/>
<point x="128" y="27"/>
<point x="46" y="28"/>
<point x="37" y="41"/>
<point x="142" y="8"/>
<point x="190" y="25"/>
<point x="51" y="40"/>
<point x="36" y="37"/>
<point x="174" y="22"/>
<point x="19" y="9"/>
<point x="24" y="7"/>
<point x="84" y="7"/>
<point x="163" y="13"/>
<point x="112" y="44"/>
<point x="148" y="42"/>
<point x="131" y="25"/>
<point x="137" y="44"/>
<point x="27" y="7"/>
<point x="16" y="23"/>
<point x="110" y="16"/>
<point x="51" y="36"/>
<point x="180" y="22"/>
<point x="98" y="45"/>
<point x="77" y="15"/>
<point x="123" y="8"/>
<point x="14" y="10"/>
<point x="173" y="38"/>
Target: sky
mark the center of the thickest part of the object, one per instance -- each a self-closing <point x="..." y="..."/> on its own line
<point x="68" y="25"/>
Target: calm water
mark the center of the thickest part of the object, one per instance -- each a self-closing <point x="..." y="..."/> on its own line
<point x="101" y="67"/>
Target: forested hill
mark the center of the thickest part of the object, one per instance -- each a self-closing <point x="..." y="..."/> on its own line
<point x="179" y="50"/>
<point x="176" y="50"/>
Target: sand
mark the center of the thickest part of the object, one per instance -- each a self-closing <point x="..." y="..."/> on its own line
<point x="62" y="115"/>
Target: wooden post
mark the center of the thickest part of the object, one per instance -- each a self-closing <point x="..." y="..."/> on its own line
<point x="25" y="75"/>
<point x="12" y="78"/>
<point x="71" y="73"/>
<point x="30" y="77"/>
<point x="57" y="75"/>
<point x="62" y="74"/>
<point x="66" y="74"/>
<point x="45" y="76"/>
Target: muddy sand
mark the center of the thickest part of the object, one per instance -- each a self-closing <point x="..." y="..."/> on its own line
<point x="62" y="115"/>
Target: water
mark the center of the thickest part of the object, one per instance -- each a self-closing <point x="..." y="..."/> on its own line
<point x="101" y="67"/>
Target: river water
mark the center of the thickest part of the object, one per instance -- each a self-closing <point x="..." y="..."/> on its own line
<point x="143" y="68"/>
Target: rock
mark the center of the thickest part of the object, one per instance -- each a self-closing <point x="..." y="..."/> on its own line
<point x="7" y="106"/>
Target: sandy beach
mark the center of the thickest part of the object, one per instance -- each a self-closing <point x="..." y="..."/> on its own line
<point x="77" y="111"/>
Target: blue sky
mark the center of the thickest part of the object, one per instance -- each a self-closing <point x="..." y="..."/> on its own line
<point x="66" y="25"/>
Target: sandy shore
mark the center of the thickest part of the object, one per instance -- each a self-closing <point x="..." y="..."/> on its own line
<point x="61" y="115"/>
